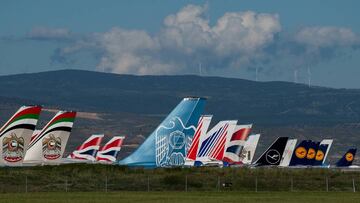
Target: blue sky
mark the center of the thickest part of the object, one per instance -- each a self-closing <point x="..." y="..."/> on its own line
<point x="312" y="39"/>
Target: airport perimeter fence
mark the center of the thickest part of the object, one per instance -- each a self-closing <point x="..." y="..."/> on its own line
<point x="179" y="181"/>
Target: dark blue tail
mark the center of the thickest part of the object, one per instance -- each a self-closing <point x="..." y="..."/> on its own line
<point x="300" y="153"/>
<point x="347" y="159"/>
<point x="272" y="156"/>
<point x="320" y="155"/>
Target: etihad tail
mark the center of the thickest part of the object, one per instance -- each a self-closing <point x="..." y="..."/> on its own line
<point x="212" y="145"/>
<point x="48" y="145"/>
<point x="200" y="131"/>
<point x="288" y="152"/>
<point x="88" y="150"/>
<point x="168" y="144"/>
<point x="108" y="153"/>
<point x="347" y="159"/>
<point x="16" y="133"/>
<point x="248" y="151"/>
<point x="272" y="156"/>
<point x="322" y="152"/>
<point x="235" y="144"/>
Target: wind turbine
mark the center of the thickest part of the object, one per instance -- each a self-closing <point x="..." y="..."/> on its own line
<point x="309" y="76"/>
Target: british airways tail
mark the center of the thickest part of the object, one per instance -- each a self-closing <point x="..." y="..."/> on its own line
<point x="235" y="144"/>
<point x="248" y="152"/>
<point x="108" y="153"/>
<point x="347" y="159"/>
<point x="16" y="133"/>
<point x="168" y="144"/>
<point x="272" y="156"/>
<point x="200" y="131"/>
<point x="48" y="145"/>
<point x="88" y="150"/>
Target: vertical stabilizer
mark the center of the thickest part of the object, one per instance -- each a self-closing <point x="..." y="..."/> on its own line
<point x="272" y="156"/>
<point x="300" y="153"/>
<point x="48" y="145"/>
<point x="248" y="152"/>
<point x="88" y="150"/>
<point x="16" y="133"/>
<point x="108" y="153"/>
<point x="322" y="152"/>
<point x="311" y="155"/>
<point x="235" y="144"/>
<point x="200" y="131"/>
<point x="168" y="144"/>
<point x="288" y="152"/>
<point x="347" y="159"/>
<point x="212" y="145"/>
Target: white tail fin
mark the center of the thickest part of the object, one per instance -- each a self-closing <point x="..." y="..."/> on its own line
<point x="16" y="133"/>
<point x="235" y="144"/>
<point x="289" y="149"/>
<point x="48" y="145"/>
<point x="248" y="152"/>
<point x="200" y="131"/>
<point x="108" y="153"/>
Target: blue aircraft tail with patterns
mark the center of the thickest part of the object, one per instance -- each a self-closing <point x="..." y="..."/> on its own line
<point x="168" y="144"/>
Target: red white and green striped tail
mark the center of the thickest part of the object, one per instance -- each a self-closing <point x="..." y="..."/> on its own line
<point x="15" y="134"/>
<point x="48" y="144"/>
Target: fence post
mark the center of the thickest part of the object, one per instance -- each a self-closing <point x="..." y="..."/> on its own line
<point x="218" y="183"/>
<point x="148" y="183"/>
<point x="26" y="184"/>
<point x="256" y="184"/>
<point x="106" y="184"/>
<point x="327" y="184"/>
<point x="186" y="182"/>
<point x="353" y="183"/>
<point x="66" y="184"/>
<point x="292" y="184"/>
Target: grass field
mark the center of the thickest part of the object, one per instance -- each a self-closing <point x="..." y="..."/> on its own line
<point x="175" y="197"/>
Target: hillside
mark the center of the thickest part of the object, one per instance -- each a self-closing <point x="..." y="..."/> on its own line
<point x="264" y="103"/>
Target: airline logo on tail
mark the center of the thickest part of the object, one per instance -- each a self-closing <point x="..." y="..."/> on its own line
<point x="248" y="151"/>
<point x="201" y="130"/>
<point x="347" y="159"/>
<point x="236" y="143"/>
<point x="110" y="150"/>
<point x="15" y="134"/>
<point x="49" y="143"/>
<point x="213" y="144"/>
<point x="272" y="156"/>
<point x="168" y="144"/>
<point x="88" y="150"/>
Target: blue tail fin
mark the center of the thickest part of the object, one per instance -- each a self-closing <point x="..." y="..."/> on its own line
<point x="168" y="144"/>
<point x="347" y="159"/>
<point x="300" y="153"/>
<point x="321" y="154"/>
<point x="310" y="156"/>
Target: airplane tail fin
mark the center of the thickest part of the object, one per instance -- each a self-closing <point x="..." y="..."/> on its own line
<point x="272" y="156"/>
<point x="235" y="144"/>
<point x="347" y="159"/>
<point x="248" y="152"/>
<point x="212" y="145"/>
<point x="16" y="133"/>
<point x="168" y="144"/>
<point x="311" y="155"/>
<point x="322" y="152"/>
<point x="48" y="144"/>
<point x="200" y="131"/>
<point x="88" y="150"/>
<point x="288" y="152"/>
<point x="108" y="153"/>
<point x="299" y="155"/>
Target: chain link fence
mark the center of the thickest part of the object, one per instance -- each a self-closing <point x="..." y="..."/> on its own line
<point x="108" y="179"/>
